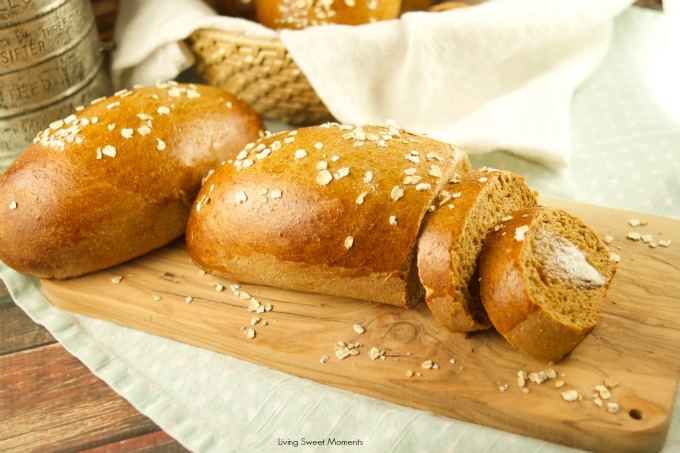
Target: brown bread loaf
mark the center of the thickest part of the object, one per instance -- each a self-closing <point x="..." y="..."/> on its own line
<point x="543" y="277"/>
<point x="333" y="209"/>
<point x="452" y="238"/>
<point x="117" y="178"/>
<point x="299" y="14"/>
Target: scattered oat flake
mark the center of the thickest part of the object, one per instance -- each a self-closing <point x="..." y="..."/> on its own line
<point x="483" y="179"/>
<point x="612" y="407"/>
<point x="396" y="193"/>
<point x="250" y="333"/>
<point x="608" y="239"/>
<point x="300" y="154"/>
<point x="275" y="193"/>
<point x="559" y="383"/>
<point x="376" y="353"/>
<point x="520" y="231"/>
<point x="603" y="391"/>
<point x="324" y="177"/>
<point x="156" y="297"/>
<point x="393" y="220"/>
<point x="144" y="130"/>
<point x="423" y="187"/>
<point x="109" y="151"/>
<point x="521" y="380"/>
<point x="368" y="177"/>
<point x="634" y="236"/>
<point x="219" y="288"/>
<point x="323" y="359"/>
<point x="163" y="110"/>
<point x="570" y="395"/>
<point x="538" y="377"/>
<point x="254" y="320"/>
<point x="160" y="144"/>
<point x="188" y="299"/>
<point x="13" y="204"/>
<point x="427" y="364"/>
<point x="116" y="279"/>
<point x="436" y="172"/>
<point x="503" y="387"/>
<point x="127" y="132"/>
<point x="409" y="373"/>
<point x="254" y="305"/>
<point x="615" y="258"/>
<point x="664" y="242"/>
<point x="358" y="328"/>
<point x="349" y="241"/>
<point x="342" y="172"/>
<point x="342" y="352"/>
<point x="634" y="222"/>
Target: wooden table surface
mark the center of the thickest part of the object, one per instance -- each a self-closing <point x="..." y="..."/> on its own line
<point x="49" y="401"/>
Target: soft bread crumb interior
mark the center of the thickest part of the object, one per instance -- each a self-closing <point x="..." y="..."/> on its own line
<point x="567" y="285"/>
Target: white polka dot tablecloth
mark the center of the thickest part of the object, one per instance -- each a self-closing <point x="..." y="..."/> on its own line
<point x="625" y="140"/>
<point x="625" y="154"/>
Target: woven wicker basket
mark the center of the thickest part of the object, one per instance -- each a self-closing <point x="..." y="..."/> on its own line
<point x="261" y="72"/>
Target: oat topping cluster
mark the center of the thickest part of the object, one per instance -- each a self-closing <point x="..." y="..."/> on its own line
<point x="68" y="130"/>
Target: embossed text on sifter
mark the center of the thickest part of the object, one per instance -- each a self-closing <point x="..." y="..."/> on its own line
<point x="50" y="63"/>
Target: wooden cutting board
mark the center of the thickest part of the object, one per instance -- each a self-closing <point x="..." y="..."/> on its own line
<point x="635" y="343"/>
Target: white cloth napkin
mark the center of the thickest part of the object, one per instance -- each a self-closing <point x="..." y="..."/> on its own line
<point x="496" y="76"/>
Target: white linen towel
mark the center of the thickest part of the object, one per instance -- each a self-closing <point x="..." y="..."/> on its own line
<point x="496" y="76"/>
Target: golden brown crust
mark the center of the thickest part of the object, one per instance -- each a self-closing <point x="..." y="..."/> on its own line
<point x="298" y="14"/>
<point x="452" y="238"/>
<point x="513" y="290"/>
<point x="83" y="197"/>
<point x="298" y="210"/>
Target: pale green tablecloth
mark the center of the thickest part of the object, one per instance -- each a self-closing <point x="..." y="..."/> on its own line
<point x="626" y="154"/>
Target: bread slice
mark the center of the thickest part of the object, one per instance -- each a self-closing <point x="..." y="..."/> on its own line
<point x="543" y="278"/>
<point x="334" y="209"/>
<point x="452" y="238"/>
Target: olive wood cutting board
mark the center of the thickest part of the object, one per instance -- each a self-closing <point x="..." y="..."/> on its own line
<point x="635" y="343"/>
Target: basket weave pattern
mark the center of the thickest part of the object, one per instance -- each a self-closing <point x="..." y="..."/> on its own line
<point x="261" y="72"/>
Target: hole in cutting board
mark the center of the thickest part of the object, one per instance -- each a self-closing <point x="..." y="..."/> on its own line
<point x="635" y="414"/>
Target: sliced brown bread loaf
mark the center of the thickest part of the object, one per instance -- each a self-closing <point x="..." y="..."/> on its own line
<point x="334" y="209"/>
<point x="543" y="277"/>
<point x="452" y="238"/>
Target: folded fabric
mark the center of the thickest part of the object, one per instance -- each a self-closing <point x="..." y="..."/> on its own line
<point x="496" y="76"/>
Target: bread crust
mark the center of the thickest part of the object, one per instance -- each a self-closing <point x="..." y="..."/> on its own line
<point x="83" y="197"/>
<point x="298" y="14"/>
<point x="307" y="217"/>
<point x="452" y="238"/>
<point x="513" y="304"/>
